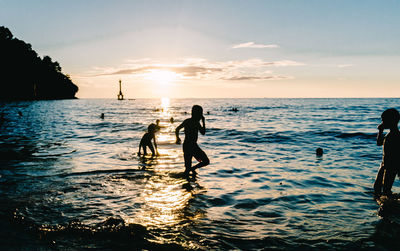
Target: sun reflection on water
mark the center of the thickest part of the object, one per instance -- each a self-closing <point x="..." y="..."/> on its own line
<point x="165" y="196"/>
<point x="163" y="138"/>
<point x="165" y="203"/>
<point x="165" y="104"/>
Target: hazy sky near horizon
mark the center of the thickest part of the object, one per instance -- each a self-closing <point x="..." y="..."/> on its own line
<point x="304" y="48"/>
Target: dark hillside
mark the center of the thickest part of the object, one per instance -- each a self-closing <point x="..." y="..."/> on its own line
<point x="26" y="76"/>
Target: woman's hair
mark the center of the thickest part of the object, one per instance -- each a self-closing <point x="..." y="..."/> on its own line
<point x="391" y="115"/>
<point x="197" y="111"/>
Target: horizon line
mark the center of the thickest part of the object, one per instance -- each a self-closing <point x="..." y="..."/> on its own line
<point x="251" y="98"/>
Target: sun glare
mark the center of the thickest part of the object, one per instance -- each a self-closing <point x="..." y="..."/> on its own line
<point x="165" y="103"/>
<point x="162" y="76"/>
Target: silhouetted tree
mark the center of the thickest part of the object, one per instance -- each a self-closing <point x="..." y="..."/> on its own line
<point x="24" y="75"/>
<point x="5" y="33"/>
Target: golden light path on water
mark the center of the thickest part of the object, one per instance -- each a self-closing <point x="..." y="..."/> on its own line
<point x="166" y="193"/>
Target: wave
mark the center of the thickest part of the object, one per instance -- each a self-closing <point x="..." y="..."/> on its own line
<point x="263" y="136"/>
<point x="345" y="135"/>
<point x="130" y="170"/>
<point x="328" y="108"/>
<point x="112" y="233"/>
<point x="360" y="135"/>
<point x="259" y="136"/>
<point x="269" y="107"/>
<point x="48" y="154"/>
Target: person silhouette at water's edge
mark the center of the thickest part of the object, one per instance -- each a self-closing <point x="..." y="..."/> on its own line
<point x="190" y="148"/>
<point x="391" y="152"/>
<point x="146" y="141"/>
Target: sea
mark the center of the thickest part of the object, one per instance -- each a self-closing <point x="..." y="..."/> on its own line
<point x="70" y="180"/>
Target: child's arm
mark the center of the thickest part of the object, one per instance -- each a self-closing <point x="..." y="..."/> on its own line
<point x="178" y="140"/>
<point x="202" y="129"/>
<point x="155" y="144"/>
<point x="140" y="146"/>
<point x="380" y="137"/>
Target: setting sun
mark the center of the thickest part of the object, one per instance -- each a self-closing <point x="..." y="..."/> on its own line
<point x="162" y="76"/>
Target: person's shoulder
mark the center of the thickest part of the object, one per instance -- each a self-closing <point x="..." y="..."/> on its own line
<point x="396" y="135"/>
<point x="187" y="121"/>
<point x="392" y="138"/>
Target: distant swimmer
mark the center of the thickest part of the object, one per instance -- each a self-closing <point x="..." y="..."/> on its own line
<point x="319" y="152"/>
<point x="234" y="109"/>
<point x="19" y="113"/>
<point x="190" y="148"/>
<point x="171" y="120"/>
<point x="146" y="141"/>
<point x="102" y="116"/>
<point x="390" y="165"/>
<point x="208" y="112"/>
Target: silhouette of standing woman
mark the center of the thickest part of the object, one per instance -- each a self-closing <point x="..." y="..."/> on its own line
<point x="190" y="148"/>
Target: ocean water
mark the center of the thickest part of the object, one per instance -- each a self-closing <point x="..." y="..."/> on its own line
<point x="70" y="180"/>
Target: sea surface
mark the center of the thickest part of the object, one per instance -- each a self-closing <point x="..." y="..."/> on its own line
<point x="71" y="180"/>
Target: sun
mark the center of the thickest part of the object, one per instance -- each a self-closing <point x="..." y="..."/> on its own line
<point x="162" y="76"/>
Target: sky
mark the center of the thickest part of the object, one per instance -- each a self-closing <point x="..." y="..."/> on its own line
<point x="216" y="49"/>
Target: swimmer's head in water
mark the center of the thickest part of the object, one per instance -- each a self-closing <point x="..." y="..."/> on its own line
<point x="157" y="121"/>
<point x="319" y="152"/>
<point x="151" y="128"/>
<point x="197" y="112"/>
<point x="390" y="117"/>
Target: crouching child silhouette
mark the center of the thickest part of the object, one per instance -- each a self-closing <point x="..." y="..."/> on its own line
<point x="146" y="141"/>
<point x="391" y="152"/>
<point x="190" y="148"/>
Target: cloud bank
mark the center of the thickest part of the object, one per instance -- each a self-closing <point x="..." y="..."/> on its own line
<point x="345" y="65"/>
<point x="254" y="45"/>
<point x="202" y="69"/>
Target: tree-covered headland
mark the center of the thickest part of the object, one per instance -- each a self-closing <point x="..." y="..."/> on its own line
<point x="24" y="75"/>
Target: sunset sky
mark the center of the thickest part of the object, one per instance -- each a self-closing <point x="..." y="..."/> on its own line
<point x="183" y="49"/>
